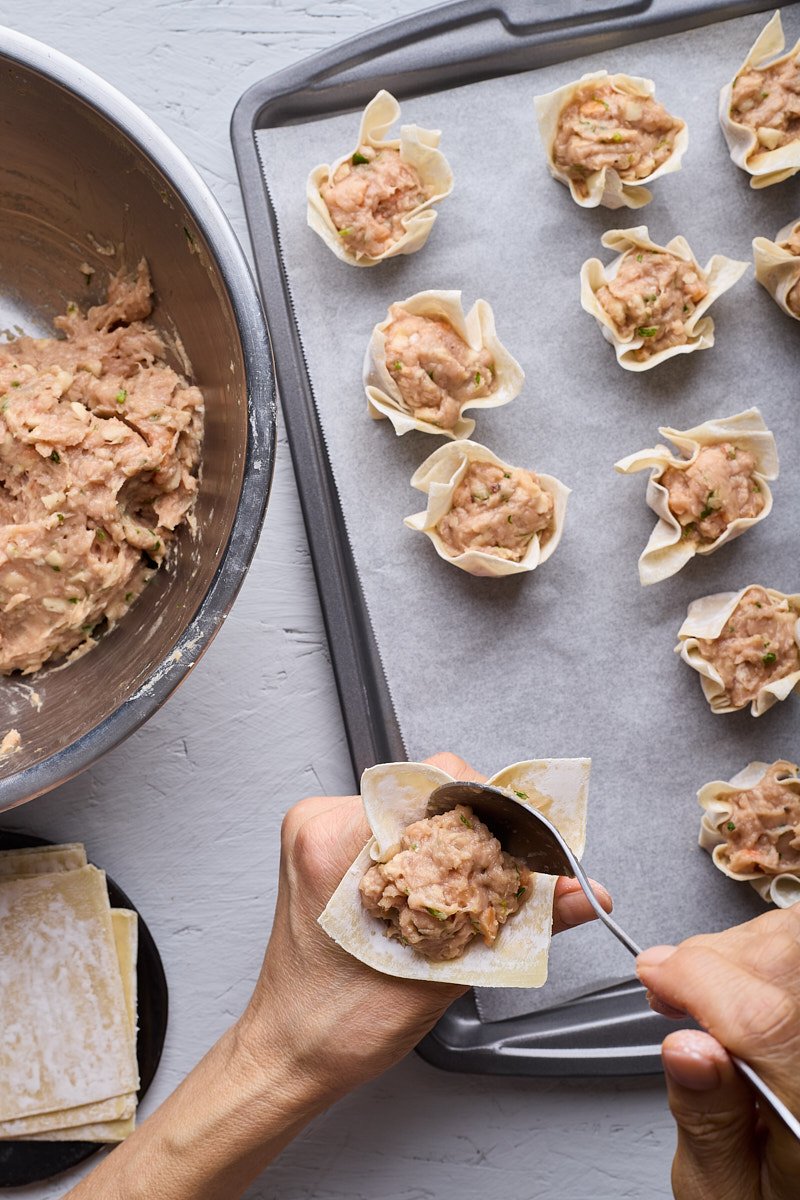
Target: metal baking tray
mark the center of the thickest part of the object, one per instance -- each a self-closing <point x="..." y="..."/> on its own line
<point x="610" y="1031"/>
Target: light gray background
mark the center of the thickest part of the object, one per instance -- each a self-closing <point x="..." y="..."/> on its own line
<point x="186" y="814"/>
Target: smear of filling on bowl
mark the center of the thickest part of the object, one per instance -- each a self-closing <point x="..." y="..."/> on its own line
<point x="603" y="127"/>
<point x="368" y="197"/>
<point x="768" y="102"/>
<point x="763" y="831"/>
<point x="449" y="883"/>
<point x="99" y="451"/>
<point x="498" y="511"/>
<point x="756" y="647"/>
<point x="717" y="488"/>
<point x="652" y="296"/>
<point x="792" y="245"/>
<point x="435" y="370"/>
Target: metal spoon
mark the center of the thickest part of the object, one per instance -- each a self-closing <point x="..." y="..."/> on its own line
<point x="527" y="834"/>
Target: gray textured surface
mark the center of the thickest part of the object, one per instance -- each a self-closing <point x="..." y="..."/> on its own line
<point x="257" y="726"/>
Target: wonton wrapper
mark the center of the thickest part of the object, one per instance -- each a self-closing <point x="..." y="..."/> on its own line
<point x="604" y="187"/>
<point x="417" y="147"/>
<point x="707" y="618"/>
<point x="476" y="329"/>
<point x="777" y="269"/>
<point x="764" y="166"/>
<point x="395" y="795"/>
<point x="783" y="890"/>
<point x="440" y="475"/>
<point x="668" y="550"/>
<point x="719" y="274"/>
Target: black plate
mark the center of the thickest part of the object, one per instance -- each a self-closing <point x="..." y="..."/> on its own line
<point x="22" y="1163"/>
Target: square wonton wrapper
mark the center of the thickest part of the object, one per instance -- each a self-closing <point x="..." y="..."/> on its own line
<point x="418" y="147"/>
<point x="604" y="187"/>
<point x="783" y="890"/>
<point x="668" y="550"/>
<point x="764" y="166"/>
<point x="395" y="795"/>
<point x="777" y="269"/>
<point x="719" y="274"/>
<point x="440" y="475"/>
<point x="706" y="619"/>
<point x="477" y="329"/>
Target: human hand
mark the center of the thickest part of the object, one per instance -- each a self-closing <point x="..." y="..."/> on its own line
<point x="347" y="1022"/>
<point x="743" y="986"/>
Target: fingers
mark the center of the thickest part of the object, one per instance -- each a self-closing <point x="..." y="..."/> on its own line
<point x="570" y="906"/>
<point x="455" y="766"/>
<point x="716" y="1118"/>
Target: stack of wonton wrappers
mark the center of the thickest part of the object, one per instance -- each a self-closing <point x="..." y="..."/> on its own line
<point x="68" y="1069"/>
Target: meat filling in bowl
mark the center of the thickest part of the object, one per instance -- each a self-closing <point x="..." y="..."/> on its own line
<point x="652" y="296"/>
<point x="449" y="883"/>
<point x="715" y="490"/>
<point x="756" y="647"/>
<point x="768" y="102"/>
<point x="792" y="244"/>
<point x="368" y="197"/>
<point x="99" y="449"/>
<point x="498" y="511"/>
<point x="435" y="371"/>
<point x="763" y="832"/>
<point x="602" y="127"/>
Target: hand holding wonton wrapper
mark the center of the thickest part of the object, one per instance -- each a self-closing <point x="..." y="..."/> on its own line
<point x="778" y="267"/>
<point x="395" y="796"/>
<point x="710" y="494"/>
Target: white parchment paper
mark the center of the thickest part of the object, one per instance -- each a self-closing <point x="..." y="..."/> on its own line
<point x="575" y="659"/>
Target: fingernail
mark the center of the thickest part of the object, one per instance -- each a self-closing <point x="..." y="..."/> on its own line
<point x="688" y="1062"/>
<point x="602" y="895"/>
<point x="573" y="909"/>
<point x="654" y="956"/>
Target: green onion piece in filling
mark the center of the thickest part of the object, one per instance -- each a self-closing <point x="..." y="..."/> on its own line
<point x="638" y="257"/>
<point x="121" y="396"/>
<point x="440" y="916"/>
<point x="477" y="379"/>
<point x="521" y="795"/>
<point x="466" y="821"/>
<point x="519" y="892"/>
<point x="730" y="827"/>
<point x="768" y="659"/>
<point x="344" y="232"/>
<point x="358" y="158"/>
<point x="647" y="331"/>
<point x="616" y="137"/>
<point x="55" y="457"/>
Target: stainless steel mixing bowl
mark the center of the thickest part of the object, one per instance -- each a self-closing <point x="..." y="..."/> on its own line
<point x="83" y="172"/>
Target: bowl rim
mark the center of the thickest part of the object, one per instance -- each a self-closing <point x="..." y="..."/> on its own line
<point x="259" y="459"/>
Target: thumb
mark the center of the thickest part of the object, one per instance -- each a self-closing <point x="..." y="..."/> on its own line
<point x="717" y="1156"/>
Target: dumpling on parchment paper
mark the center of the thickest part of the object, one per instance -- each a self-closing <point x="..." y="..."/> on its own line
<point x="428" y="361"/>
<point x="751" y="829"/>
<point x="778" y="267"/>
<point x="652" y="301"/>
<point x="375" y="201"/>
<point x="395" y="797"/>
<point x="606" y="136"/>
<point x="759" y="110"/>
<point x="710" y="493"/>
<point x="484" y="515"/>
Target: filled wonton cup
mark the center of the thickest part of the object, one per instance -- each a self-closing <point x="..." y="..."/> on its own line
<point x="605" y="186"/>
<point x="748" y="150"/>
<point x="395" y="795"/>
<point x="782" y="889"/>
<point x="719" y="274"/>
<point x="438" y="478"/>
<point x="476" y="329"/>
<point x="418" y="148"/>
<point x="706" y="620"/>
<point x="778" y="267"/>
<point x="669" y="547"/>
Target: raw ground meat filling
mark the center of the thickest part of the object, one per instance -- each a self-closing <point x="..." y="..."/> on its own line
<point x="99" y="450"/>
<point x="793" y="247"/>
<point x="435" y="371"/>
<point x="449" y="883"/>
<point x="715" y="490"/>
<point x="763" y="832"/>
<point x="756" y="647"/>
<point x="768" y="102"/>
<point x="498" y="511"/>
<point x="651" y="297"/>
<point x="603" y="127"/>
<point x="368" y="197"/>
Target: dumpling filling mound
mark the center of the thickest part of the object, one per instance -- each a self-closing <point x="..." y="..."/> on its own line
<point x="449" y="883"/>
<point x="792" y="244"/>
<point x="652" y="296"/>
<point x="603" y="127"/>
<point x="498" y="511"/>
<point x="715" y="490"/>
<point x="763" y="832"/>
<point x="756" y="647"/>
<point x="768" y="101"/>
<point x="435" y="371"/>
<point x="368" y="197"/>
<point x="99" y="450"/>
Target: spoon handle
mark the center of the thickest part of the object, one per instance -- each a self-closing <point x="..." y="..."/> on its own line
<point x="608" y="921"/>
